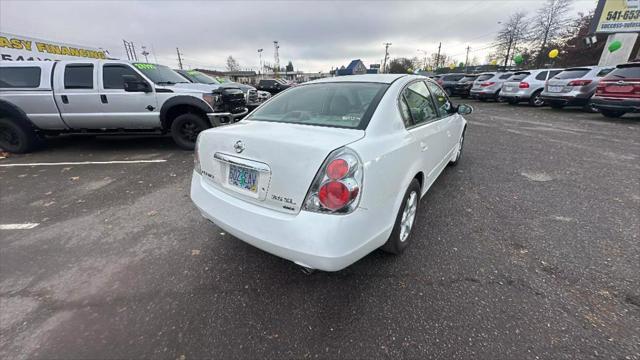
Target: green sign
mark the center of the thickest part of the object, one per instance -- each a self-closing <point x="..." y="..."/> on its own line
<point x="144" y="66"/>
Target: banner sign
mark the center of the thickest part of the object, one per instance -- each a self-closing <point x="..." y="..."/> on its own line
<point x="616" y="16"/>
<point x="21" y="48"/>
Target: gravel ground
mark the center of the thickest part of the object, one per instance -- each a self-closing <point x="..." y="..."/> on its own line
<point x="528" y="249"/>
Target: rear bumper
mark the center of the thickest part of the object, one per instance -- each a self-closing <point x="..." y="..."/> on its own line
<point x="616" y="104"/>
<point x="319" y="241"/>
<point x="565" y="99"/>
<point x="482" y="94"/>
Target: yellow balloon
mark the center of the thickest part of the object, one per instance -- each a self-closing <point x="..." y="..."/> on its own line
<point x="494" y="62"/>
<point x="553" y="53"/>
<point x="452" y="66"/>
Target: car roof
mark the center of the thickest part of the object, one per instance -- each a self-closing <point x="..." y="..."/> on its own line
<point x="373" y="78"/>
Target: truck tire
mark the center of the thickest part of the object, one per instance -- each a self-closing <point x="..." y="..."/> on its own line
<point x="16" y="138"/>
<point x="185" y="129"/>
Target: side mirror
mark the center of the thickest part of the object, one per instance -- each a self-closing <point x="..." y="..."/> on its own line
<point x="134" y="84"/>
<point x="464" y="109"/>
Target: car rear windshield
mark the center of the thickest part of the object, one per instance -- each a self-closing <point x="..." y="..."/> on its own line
<point x="345" y="105"/>
<point x="484" y="77"/>
<point x="519" y="76"/>
<point x="572" y="74"/>
<point x="468" y="78"/>
<point x="452" y="77"/>
<point x="19" y="77"/>
<point x="160" y="74"/>
<point x="505" y="76"/>
<point x="626" y="72"/>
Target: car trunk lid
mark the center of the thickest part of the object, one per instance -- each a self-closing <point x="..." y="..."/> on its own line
<point x="269" y="164"/>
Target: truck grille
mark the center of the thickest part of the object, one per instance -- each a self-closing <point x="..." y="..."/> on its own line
<point x="252" y="96"/>
<point x="233" y="100"/>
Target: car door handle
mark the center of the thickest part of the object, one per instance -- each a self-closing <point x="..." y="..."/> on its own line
<point x="104" y="100"/>
<point x="424" y="146"/>
<point x="65" y="99"/>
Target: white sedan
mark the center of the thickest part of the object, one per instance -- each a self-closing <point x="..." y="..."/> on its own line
<point x="328" y="171"/>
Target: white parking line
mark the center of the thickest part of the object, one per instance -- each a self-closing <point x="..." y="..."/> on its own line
<point x="18" y="226"/>
<point x="87" y="163"/>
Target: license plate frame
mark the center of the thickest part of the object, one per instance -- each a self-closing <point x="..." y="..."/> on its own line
<point x="555" y="88"/>
<point x="243" y="178"/>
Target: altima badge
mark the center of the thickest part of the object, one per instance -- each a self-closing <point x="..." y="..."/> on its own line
<point x="239" y="146"/>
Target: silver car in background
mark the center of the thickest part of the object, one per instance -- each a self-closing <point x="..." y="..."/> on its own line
<point x="574" y="87"/>
<point x="527" y="86"/>
<point x="488" y="85"/>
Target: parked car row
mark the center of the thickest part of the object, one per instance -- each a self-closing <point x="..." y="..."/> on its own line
<point x="613" y="91"/>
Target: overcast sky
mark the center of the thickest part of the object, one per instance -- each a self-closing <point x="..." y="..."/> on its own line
<point x="315" y="36"/>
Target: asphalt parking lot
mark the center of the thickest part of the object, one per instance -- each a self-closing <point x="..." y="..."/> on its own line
<point x="528" y="249"/>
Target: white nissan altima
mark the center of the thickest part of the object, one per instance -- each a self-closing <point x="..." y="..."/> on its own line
<point x="328" y="171"/>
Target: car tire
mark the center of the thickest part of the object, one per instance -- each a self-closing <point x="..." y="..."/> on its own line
<point x="612" y="113"/>
<point x="454" y="162"/>
<point x="16" y="138"/>
<point x="512" y="101"/>
<point x="536" y="100"/>
<point x="185" y="129"/>
<point x="588" y="107"/>
<point x="405" y="220"/>
<point x="556" y="105"/>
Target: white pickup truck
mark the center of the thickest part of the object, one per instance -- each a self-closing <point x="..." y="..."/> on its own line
<point x="40" y="98"/>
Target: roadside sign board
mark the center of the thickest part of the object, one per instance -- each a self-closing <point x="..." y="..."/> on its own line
<point x="616" y="16"/>
<point x="20" y="48"/>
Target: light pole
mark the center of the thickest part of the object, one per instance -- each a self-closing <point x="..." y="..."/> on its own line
<point x="260" y="55"/>
<point x="424" y="52"/>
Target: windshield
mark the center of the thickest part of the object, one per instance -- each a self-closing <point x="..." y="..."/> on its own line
<point x="572" y="74"/>
<point x="160" y="74"/>
<point x="625" y="72"/>
<point x="346" y="105"/>
<point x="484" y="77"/>
<point x="198" y="77"/>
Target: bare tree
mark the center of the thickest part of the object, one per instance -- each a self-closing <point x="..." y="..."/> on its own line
<point x="548" y="25"/>
<point x="513" y="32"/>
<point x="232" y="64"/>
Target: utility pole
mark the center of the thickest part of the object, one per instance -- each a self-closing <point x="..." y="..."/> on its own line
<point x="386" y="56"/>
<point x="260" y="55"/>
<point x="145" y="53"/>
<point x="438" y="56"/>
<point x="466" y="60"/>
<point x="276" y="59"/>
<point x="179" y="58"/>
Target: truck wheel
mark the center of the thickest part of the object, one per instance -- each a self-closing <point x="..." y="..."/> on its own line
<point x="612" y="113"/>
<point x="16" y="138"/>
<point x="185" y="129"/>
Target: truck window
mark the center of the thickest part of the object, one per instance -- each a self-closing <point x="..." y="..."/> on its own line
<point x="112" y="75"/>
<point x="78" y="76"/>
<point x="19" y="77"/>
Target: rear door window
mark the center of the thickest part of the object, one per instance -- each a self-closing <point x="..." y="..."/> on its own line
<point x="78" y="76"/>
<point x="420" y="104"/>
<point x="20" y="77"/>
<point x="542" y="75"/>
<point x="553" y="73"/>
<point x="440" y="98"/>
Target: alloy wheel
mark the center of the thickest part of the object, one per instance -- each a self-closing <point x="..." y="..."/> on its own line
<point x="190" y="130"/>
<point x="9" y="136"/>
<point x="408" y="216"/>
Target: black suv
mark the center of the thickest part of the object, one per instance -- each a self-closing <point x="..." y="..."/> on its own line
<point x="449" y="81"/>
<point x="273" y="86"/>
<point x="463" y="86"/>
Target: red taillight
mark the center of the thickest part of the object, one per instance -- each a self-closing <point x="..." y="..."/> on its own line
<point x="337" y="169"/>
<point x="485" y="84"/>
<point x="334" y="195"/>
<point x="336" y="187"/>
<point x="579" y="82"/>
<point x="523" y="85"/>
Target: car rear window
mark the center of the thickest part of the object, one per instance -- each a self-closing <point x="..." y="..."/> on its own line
<point x="468" y="78"/>
<point x="484" y="77"/>
<point x="505" y="76"/>
<point x="452" y="77"/>
<point x="519" y="76"/>
<point x="340" y="104"/>
<point x="625" y="72"/>
<point x="604" y="72"/>
<point x="572" y="74"/>
<point x="19" y="77"/>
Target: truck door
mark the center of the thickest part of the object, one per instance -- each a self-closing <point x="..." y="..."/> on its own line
<point x="122" y="109"/>
<point x="76" y="94"/>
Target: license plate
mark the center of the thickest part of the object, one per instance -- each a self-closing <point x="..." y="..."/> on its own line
<point x="243" y="178"/>
<point x="555" y="88"/>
